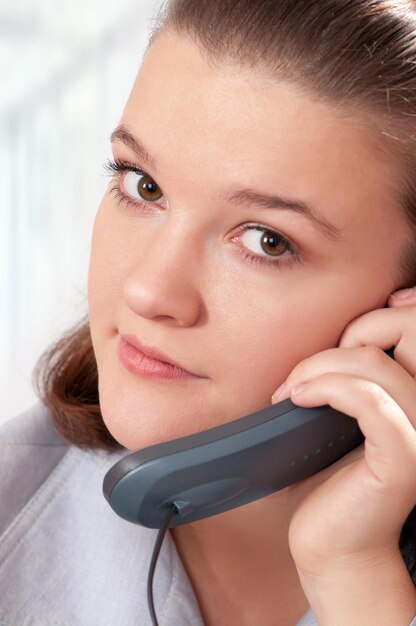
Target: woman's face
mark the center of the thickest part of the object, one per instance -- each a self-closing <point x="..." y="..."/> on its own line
<point x="199" y="275"/>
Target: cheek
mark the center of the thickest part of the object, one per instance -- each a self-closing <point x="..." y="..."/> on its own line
<point x="283" y="329"/>
<point x="105" y="273"/>
<point x="103" y="283"/>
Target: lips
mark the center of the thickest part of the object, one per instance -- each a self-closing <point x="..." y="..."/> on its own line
<point x="149" y="361"/>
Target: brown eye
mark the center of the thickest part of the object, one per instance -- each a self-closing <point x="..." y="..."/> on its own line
<point x="142" y="187"/>
<point x="265" y="242"/>
<point x="273" y="244"/>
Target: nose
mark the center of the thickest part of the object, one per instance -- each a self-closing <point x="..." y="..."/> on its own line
<point x="166" y="280"/>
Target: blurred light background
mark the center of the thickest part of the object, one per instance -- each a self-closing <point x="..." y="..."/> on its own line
<point x="66" y="70"/>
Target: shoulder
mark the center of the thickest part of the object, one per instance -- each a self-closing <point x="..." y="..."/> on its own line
<point x="60" y="539"/>
<point x="30" y="449"/>
<point x="31" y="427"/>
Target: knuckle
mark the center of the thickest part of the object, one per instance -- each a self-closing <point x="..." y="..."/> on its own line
<point x="409" y="312"/>
<point x="374" y="357"/>
<point x="377" y="398"/>
<point x="330" y="381"/>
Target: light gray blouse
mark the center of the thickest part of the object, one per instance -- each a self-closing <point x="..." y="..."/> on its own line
<point x="66" y="559"/>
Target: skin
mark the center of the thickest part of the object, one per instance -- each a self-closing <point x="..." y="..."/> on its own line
<point x="171" y="272"/>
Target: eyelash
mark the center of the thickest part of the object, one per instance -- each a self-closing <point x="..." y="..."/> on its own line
<point x="116" y="168"/>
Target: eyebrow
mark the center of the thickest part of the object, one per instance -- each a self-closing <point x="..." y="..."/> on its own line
<point x="122" y="134"/>
<point x="247" y="197"/>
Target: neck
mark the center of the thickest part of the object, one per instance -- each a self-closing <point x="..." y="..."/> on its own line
<point x="240" y="566"/>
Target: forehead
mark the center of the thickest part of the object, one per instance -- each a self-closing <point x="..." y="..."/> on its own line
<point x="243" y="125"/>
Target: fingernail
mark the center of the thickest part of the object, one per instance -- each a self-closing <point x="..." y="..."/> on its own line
<point x="403" y="293"/>
<point x="278" y="393"/>
<point x="297" y="389"/>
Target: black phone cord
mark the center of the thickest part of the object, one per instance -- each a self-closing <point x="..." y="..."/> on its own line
<point x="158" y="544"/>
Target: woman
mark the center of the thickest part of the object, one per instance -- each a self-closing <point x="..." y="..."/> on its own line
<point x="258" y="136"/>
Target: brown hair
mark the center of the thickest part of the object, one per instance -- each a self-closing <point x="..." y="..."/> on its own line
<point x="360" y="54"/>
<point x="66" y="379"/>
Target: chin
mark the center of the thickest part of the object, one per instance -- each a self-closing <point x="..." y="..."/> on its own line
<point x="129" y="433"/>
<point x="138" y="418"/>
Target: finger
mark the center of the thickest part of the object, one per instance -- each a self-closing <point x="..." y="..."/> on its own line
<point x="385" y="328"/>
<point x="366" y="362"/>
<point x="390" y="445"/>
<point x="403" y="297"/>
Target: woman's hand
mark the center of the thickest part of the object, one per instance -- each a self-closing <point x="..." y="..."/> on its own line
<point x="347" y="519"/>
